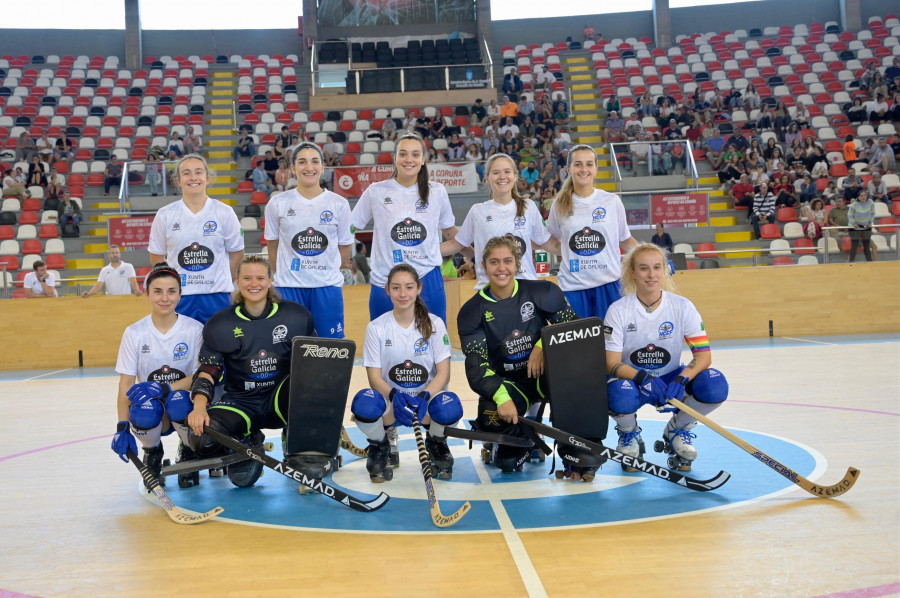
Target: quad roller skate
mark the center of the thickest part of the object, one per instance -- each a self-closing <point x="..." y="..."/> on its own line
<point x="509" y="459"/>
<point x="677" y="442"/>
<point x="441" y="459"/>
<point x="187" y="480"/>
<point x="153" y="461"/>
<point x="487" y="452"/>
<point x="631" y="444"/>
<point x="377" y="462"/>
<point x="313" y="465"/>
<point x="244" y="474"/>
<point x="578" y="465"/>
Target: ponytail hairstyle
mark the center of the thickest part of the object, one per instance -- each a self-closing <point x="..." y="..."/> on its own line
<point x="420" y="310"/>
<point x="160" y="270"/>
<point x="563" y="202"/>
<point x="306" y="145"/>
<point x="517" y="197"/>
<point x="508" y="241"/>
<point x="628" y="284"/>
<point x="272" y="295"/>
<point x="422" y="177"/>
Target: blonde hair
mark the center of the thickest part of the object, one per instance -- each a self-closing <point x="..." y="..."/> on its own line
<point x="272" y="295"/>
<point x="209" y="171"/>
<point x="563" y="202"/>
<point x="628" y="284"/>
<point x="517" y="197"/>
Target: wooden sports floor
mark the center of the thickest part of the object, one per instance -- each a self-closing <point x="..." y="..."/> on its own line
<point x="74" y="521"/>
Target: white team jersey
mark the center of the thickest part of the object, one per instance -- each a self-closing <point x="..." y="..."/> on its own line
<point x="589" y="240"/>
<point x="654" y="341"/>
<point x="31" y="282"/>
<point x="492" y="219"/>
<point x="404" y="230"/>
<point x="408" y="362"/>
<point x="148" y="354"/>
<point x="117" y="281"/>
<point x="309" y="232"/>
<point x="197" y="245"/>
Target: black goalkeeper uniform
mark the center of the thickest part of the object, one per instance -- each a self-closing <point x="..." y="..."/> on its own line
<point x="497" y="338"/>
<point x="255" y="353"/>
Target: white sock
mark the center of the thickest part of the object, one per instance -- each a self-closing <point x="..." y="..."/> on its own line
<point x="437" y="429"/>
<point x="183" y="432"/>
<point x="148" y="438"/>
<point x="374" y="431"/>
<point x="625" y="421"/>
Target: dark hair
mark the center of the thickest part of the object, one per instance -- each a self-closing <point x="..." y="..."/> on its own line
<point x="420" y="310"/>
<point x="360" y="246"/>
<point x="37" y="264"/>
<point x="422" y="177"/>
<point x="162" y="270"/>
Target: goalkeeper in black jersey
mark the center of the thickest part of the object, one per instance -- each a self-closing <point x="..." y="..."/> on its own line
<point x="500" y="331"/>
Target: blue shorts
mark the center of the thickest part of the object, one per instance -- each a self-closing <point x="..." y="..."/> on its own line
<point x="432" y="293"/>
<point x="596" y="301"/>
<point x="326" y="304"/>
<point x="202" y="307"/>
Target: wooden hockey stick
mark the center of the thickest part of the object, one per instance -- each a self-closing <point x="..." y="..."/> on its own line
<point x="174" y="513"/>
<point x="439" y="519"/>
<point x="816" y="490"/>
<point x="347" y="444"/>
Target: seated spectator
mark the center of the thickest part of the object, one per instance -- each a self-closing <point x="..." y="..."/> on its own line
<point x="879" y="87"/>
<point x="852" y="185"/>
<point x="882" y="157"/>
<point x="193" y="144"/>
<point x="715" y="150"/>
<point x="865" y="80"/>
<point x="732" y="171"/>
<point x="509" y="145"/>
<point x="330" y="151"/>
<point x="793" y="135"/>
<point x="740" y="143"/>
<point x="389" y="129"/>
<point x="491" y="144"/>
<point x="361" y="262"/>
<point x="781" y="119"/>
<point x="478" y="113"/>
<point x="806" y="189"/>
<point x="893" y="71"/>
<point x="26" y="148"/>
<point x="45" y="146"/>
<point x="895" y="110"/>
<point x="817" y="163"/>
<point x="860" y="218"/>
<point x="561" y="139"/>
<point x="512" y="82"/>
<point x="831" y="194"/>
<point x="613" y="105"/>
<point x="662" y="238"/>
<point x="784" y="192"/>
<point x="801" y="115"/>
<point x="36" y="175"/>
<point x="838" y="215"/>
<point x="13" y="187"/>
<point x="282" y="176"/>
<point x="750" y="98"/>
<point x="877" y="189"/>
<point x="796" y="158"/>
<point x="176" y="147"/>
<point x="775" y="161"/>
<point x="270" y="165"/>
<point x="647" y="105"/>
<point x="493" y="111"/>
<point x="261" y="181"/>
<point x="877" y="109"/>
<point x="526" y="109"/>
<point x="615" y="128"/>
<point x="660" y="158"/>
<point x="857" y="111"/>
<point x="633" y="126"/>
<point x="510" y="126"/>
<point x="39" y="284"/>
<point x="456" y="149"/>
<point x="113" y="174"/>
<point x="474" y="154"/>
<point x="561" y="115"/>
<point x="640" y="151"/>
<point x="284" y="136"/>
<point x="545" y="78"/>
<point x="438" y="127"/>
<point x="716" y="101"/>
<point x="815" y="215"/>
<point x="742" y="192"/>
<point x="278" y="150"/>
<point x="69" y="213"/>
<point x="422" y="127"/>
<point x="55" y="186"/>
<point x="763" y="209"/>
<point x="531" y="173"/>
<point x="471" y="138"/>
<point x="244" y="146"/>
<point x="733" y="100"/>
<point x="694" y="134"/>
<point x="589" y="33"/>
<point x="118" y="277"/>
<point x="665" y="113"/>
<point x="508" y="109"/>
<point x="766" y="118"/>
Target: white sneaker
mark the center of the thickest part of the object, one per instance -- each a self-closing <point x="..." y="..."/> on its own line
<point x="681" y="440"/>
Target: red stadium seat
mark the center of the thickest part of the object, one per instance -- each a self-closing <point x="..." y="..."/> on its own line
<point x="258" y="197"/>
<point x="783" y="260"/>
<point x="887" y="230"/>
<point x="770" y="231"/>
<point x="7" y="232"/>
<point x="786" y="214"/>
<point x="31" y="247"/>
<point x="804" y="246"/>
<point x="10" y="262"/>
<point x="706" y="250"/>
<point x="56" y="261"/>
<point x="49" y="231"/>
<point x="245" y="187"/>
<point x="29" y="218"/>
<point x="95" y="179"/>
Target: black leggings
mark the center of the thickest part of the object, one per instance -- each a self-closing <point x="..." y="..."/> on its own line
<point x="858" y="236"/>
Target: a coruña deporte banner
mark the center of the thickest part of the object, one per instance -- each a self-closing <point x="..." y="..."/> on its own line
<point x="457" y="178"/>
<point x="679" y="209"/>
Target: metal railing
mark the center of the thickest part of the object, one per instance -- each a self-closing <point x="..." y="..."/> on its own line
<point x="689" y="166"/>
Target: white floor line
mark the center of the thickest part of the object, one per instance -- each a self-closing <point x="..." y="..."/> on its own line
<point x="806" y="340"/>
<point x="48" y="374"/>
<point x="527" y="572"/>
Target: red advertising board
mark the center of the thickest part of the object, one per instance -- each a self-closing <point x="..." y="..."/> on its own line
<point x="680" y="209"/>
<point x="130" y="231"/>
<point x="351" y="182"/>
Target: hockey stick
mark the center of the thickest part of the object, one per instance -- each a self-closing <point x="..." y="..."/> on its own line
<point x="479" y="436"/>
<point x="174" y="513"/>
<point x="439" y="518"/>
<point x="827" y="491"/>
<point x="347" y="445"/>
<point x="319" y="486"/>
<point x="639" y="464"/>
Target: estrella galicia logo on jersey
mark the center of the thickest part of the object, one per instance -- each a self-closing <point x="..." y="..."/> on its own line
<point x="408" y="374"/>
<point x="518" y="345"/>
<point x="651" y="357"/>
<point x="279" y="334"/>
<point x="598" y="214"/>
<point x="421" y="206"/>
<point x="326" y="217"/>
<point x="263" y="366"/>
<point x="309" y="242"/>
<point x="527" y="311"/>
<point x="196" y="257"/>
<point x="665" y="329"/>
<point x="409" y="233"/>
<point x="181" y="351"/>
<point x="166" y="374"/>
<point x="519" y="222"/>
<point x="210" y="227"/>
<point x="420" y="346"/>
<point x="587" y="242"/>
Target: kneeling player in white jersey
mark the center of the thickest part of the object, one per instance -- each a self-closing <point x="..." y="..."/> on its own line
<point x="157" y="355"/>
<point x="308" y="234"/>
<point x="407" y="360"/>
<point x="201" y="239"/>
<point x="648" y="327"/>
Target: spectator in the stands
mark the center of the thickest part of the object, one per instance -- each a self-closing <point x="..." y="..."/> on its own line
<point x="176" y="147"/>
<point x="895" y="110"/>
<point x="763" y="209"/>
<point x="244" y="146"/>
<point x="801" y="115"/>
<point x="511" y="126"/>
<point x="647" y="105"/>
<point x="422" y="127"/>
<point x="545" y="78"/>
<point x="456" y="149"/>
<point x="877" y="189"/>
<point x="55" y="186"/>
<point x="69" y="212"/>
<point x="525" y="108"/>
<point x="640" y="151"/>
<point x="838" y="215"/>
<point x="12" y="187"/>
<point x="860" y="218"/>
<point x="806" y="189"/>
<point x="362" y="264"/>
<point x="750" y="98"/>
<point x="25" y="147"/>
<point x="613" y="105"/>
<point x="438" y="126"/>
<point x="389" y="129"/>
<point x="261" y="180"/>
<point x="893" y="71"/>
<point x="857" y="111"/>
<point x="796" y="158"/>
<point x="493" y="111"/>
<point x="715" y="150"/>
<point x="561" y="116"/>
<point x="113" y="174"/>
<point x="270" y="165"/>
<point x="118" y="277"/>
<point x="474" y="154"/>
<point x="815" y="215"/>
<point x="153" y="170"/>
<point x="589" y="33"/>
<point x="877" y="109"/>
<point x="509" y="146"/>
<point x="330" y="151"/>
<point x="776" y="160"/>
<point x="472" y="137"/>
<point x="852" y="185"/>
<point x="865" y="80"/>
<point x="759" y="176"/>
<point x="732" y="170"/>
<point x="742" y="193"/>
<point x="733" y="100"/>
<point x="436" y="156"/>
<point x="660" y="158"/>
<point x="531" y="173"/>
<point x="478" y="113"/>
<point x="766" y="117"/>
<point x="282" y="176"/>
<point x="831" y="193"/>
<point x="882" y="157"/>
<point x="740" y="143"/>
<point x="512" y="82"/>
<point x="36" y="176"/>
<point x="45" y="146"/>
<point x="527" y="130"/>
<point x="508" y="109"/>
<point x="665" y="113"/>
<point x="662" y="238"/>
<point x="817" y="163"/>
<point x="793" y="134"/>
<point x="39" y="284"/>
<point x="491" y="143"/>
<point x="784" y="192"/>
<point x="879" y="87"/>
<point x="561" y="140"/>
<point x="716" y="101"/>
<point x="278" y="150"/>
<point x="193" y="144"/>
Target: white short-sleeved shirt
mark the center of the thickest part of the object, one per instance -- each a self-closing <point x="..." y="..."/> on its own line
<point x="407" y="361"/>
<point x="31" y="282"/>
<point x="197" y="245"/>
<point x="148" y="354"/>
<point x="653" y="341"/>
<point x="404" y="230"/>
<point x="589" y="240"/>
<point x="117" y="281"/>
<point x="309" y="232"/>
<point x="491" y="219"/>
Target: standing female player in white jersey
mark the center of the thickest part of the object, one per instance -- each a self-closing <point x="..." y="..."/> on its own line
<point x="507" y="211"/>
<point x="590" y="226"/>
<point x="648" y="326"/>
<point x="201" y="239"/>
<point x="315" y="226"/>
<point x="157" y="357"/>
<point x="407" y="360"/>
<point x="407" y="211"/>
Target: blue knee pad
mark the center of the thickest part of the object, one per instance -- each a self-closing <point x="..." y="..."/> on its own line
<point x="368" y="405"/>
<point x="445" y="408"/>
<point x="146" y="415"/>
<point x="709" y="386"/>
<point x="179" y="405"/>
<point x="623" y="396"/>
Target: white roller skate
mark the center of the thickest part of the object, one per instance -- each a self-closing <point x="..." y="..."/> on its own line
<point x="630" y="443"/>
<point x="678" y="442"/>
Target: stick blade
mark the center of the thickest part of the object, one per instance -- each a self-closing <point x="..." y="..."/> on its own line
<point x="367" y="506"/>
<point x="713" y="483"/>
<point x="192" y="518"/>
<point x="836" y="490"/>
<point x="441" y="520"/>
